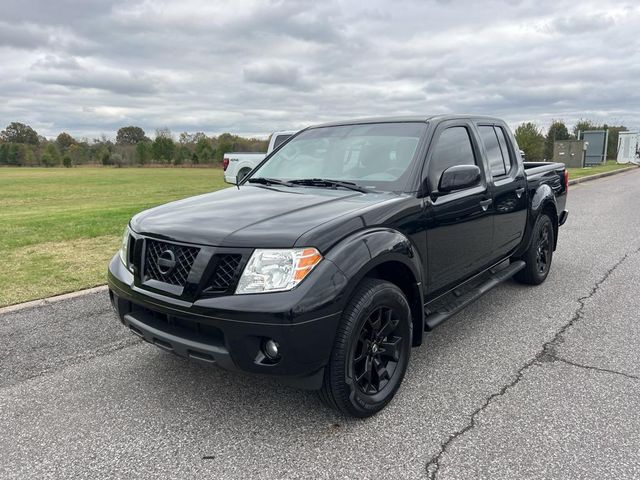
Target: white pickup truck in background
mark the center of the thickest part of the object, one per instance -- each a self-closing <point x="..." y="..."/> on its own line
<point x="237" y="165"/>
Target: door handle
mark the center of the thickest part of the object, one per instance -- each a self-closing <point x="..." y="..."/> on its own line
<point x="485" y="204"/>
<point x="519" y="191"/>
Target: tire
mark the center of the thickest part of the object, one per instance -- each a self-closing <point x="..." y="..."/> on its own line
<point x="374" y="336"/>
<point x="539" y="255"/>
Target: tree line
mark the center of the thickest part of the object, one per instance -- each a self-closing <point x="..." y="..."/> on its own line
<point x="537" y="146"/>
<point x="21" y="145"/>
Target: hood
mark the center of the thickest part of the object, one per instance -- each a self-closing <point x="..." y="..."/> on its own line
<point x="255" y="216"/>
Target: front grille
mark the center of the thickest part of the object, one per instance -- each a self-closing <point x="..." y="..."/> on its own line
<point x="224" y="273"/>
<point x="184" y="258"/>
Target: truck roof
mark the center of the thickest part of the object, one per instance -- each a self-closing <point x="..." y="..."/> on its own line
<point x="284" y="132"/>
<point x="407" y="118"/>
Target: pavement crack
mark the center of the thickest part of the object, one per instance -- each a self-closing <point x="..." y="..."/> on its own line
<point x="433" y="464"/>
<point x="548" y="348"/>
<point x="546" y="354"/>
<point x="597" y="369"/>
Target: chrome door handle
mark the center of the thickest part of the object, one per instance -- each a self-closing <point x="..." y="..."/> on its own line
<point x="519" y="191"/>
<point x="485" y="204"/>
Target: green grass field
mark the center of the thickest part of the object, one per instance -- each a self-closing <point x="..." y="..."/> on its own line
<point x="59" y="227"/>
<point x="584" y="172"/>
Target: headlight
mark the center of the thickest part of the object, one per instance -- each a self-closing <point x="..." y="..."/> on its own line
<point x="124" y="248"/>
<point x="270" y="270"/>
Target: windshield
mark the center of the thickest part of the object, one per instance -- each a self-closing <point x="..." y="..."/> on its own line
<point x="371" y="155"/>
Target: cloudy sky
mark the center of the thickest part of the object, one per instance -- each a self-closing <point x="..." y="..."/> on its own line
<point x="91" y="66"/>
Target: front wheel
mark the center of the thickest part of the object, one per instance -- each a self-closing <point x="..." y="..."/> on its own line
<point x="539" y="254"/>
<point x="371" y="351"/>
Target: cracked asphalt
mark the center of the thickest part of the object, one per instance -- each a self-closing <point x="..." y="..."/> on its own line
<point x="528" y="382"/>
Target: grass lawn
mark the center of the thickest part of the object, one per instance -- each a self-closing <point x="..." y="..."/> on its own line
<point x="584" y="172"/>
<point x="59" y="227"/>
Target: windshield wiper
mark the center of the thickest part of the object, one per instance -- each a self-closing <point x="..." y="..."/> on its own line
<point x="326" y="182"/>
<point x="269" y="181"/>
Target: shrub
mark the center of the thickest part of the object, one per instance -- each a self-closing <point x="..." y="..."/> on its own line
<point x="116" y="159"/>
<point x="105" y="156"/>
<point x="51" y="156"/>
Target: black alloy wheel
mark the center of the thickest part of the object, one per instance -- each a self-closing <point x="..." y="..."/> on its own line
<point x="539" y="254"/>
<point x="377" y="352"/>
<point x="543" y="249"/>
<point x="371" y="350"/>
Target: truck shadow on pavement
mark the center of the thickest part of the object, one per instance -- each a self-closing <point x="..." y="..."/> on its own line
<point x="253" y="398"/>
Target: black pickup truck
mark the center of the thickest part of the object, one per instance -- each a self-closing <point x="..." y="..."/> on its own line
<point x="340" y="250"/>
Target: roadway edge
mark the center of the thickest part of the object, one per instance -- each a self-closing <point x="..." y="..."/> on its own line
<point x="601" y="175"/>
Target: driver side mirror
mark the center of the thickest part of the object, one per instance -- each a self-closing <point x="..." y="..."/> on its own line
<point x="459" y="177"/>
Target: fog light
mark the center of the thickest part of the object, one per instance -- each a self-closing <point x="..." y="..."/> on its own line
<point x="271" y="349"/>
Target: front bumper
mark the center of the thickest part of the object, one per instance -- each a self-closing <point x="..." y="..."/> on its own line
<point x="230" y="330"/>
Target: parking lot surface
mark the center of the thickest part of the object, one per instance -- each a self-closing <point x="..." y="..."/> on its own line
<point x="528" y="382"/>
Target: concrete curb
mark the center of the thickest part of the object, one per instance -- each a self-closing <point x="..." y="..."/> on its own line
<point x="601" y="175"/>
<point x="46" y="301"/>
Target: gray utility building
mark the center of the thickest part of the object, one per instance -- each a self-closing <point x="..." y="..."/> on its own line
<point x="596" y="142"/>
<point x="569" y="152"/>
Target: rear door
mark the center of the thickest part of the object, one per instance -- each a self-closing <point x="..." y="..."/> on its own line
<point x="460" y="223"/>
<point x="509" y="183"/>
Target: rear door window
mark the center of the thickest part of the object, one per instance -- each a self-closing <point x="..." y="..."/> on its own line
<point x="494" y="152"/>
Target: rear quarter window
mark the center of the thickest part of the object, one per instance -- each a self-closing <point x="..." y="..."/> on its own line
<point x="504" y="147"/>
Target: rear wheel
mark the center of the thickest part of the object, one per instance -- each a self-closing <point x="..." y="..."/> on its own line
<point x="371" y="351"/>
<point x="540" y="253"/>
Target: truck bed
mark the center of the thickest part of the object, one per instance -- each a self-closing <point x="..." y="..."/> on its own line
<point x="552" y="174"/>
<point x="535" y="168"/>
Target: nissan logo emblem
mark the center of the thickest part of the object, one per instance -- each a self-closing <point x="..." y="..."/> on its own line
<point x="166" y="262"/>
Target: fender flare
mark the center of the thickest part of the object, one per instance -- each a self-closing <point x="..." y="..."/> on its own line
<point x="543" y="199"/>
<point x="359" y="255"/>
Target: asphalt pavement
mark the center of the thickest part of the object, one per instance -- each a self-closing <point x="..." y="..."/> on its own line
<point x="528" y="382"/>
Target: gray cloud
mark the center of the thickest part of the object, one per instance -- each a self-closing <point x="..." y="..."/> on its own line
<point x="23" y="36"/>
<point x="251" y="67"/>
<point x="276" y="73"/>
<point x="582" y="23"/>
<point x="76" y="78"/>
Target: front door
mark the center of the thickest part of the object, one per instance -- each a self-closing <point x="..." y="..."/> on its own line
<point x="459" y="223"/>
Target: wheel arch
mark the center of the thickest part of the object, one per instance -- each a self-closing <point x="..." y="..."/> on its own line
<point x="543" y="201"/>
<point x="400" y="275"/>
<point x="244" y="167"/>
<point x="385" y="254"/>
<point x="550" y="210"/>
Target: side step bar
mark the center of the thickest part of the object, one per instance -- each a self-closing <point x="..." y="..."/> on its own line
<point x="494" y="279"/>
